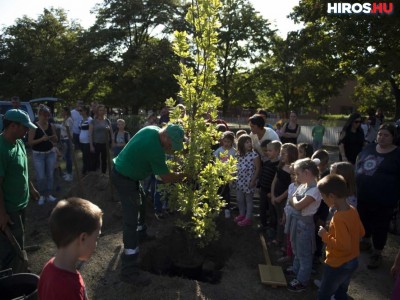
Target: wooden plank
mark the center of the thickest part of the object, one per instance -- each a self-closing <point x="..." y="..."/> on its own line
<point x="265" y="250"/>
<point x="272" y="275"/>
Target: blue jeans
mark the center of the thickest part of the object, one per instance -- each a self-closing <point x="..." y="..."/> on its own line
<point x="67" y="155"/>
<point x="335" y="281"/>
<point x="317" y="145"/>
<point x="44" y="163"/>
<point x="160" y="198"/>
<point x="304" y="252"/>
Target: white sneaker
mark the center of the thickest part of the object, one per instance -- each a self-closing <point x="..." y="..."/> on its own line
<point x="68" y="177"/>
<point x="227" y="213"/>
<point x="41" y="200"/>
<point x="51" y="198"/>
<point x="317" y="283"/>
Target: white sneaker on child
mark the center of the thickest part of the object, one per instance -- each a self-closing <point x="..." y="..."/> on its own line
<point x="41" y="201"/>
<point x="68" y="177"/>
<point x="51" y="198"/>
<point x="317" y="283"/>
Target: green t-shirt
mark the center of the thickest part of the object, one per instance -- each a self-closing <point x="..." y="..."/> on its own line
<point x="14" y="170"/>
<point x="143" y="155"/>
<point x="318" y="132"/>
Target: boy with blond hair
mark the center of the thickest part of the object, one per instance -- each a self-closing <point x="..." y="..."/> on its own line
<point x="75" y="226"/>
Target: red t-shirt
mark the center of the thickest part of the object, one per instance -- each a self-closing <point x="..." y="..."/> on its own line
<point x="59" y="284"/>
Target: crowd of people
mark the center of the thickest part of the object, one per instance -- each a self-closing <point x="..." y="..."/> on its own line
<point x="308" y="203"/>
<point x="310" y="207"/>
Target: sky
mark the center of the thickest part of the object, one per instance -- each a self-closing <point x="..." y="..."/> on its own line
<point x="10" y="10"/>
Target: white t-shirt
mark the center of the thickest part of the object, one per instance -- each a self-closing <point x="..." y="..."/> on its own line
<point x="269" y="134"/>
<point x="84" y="134"/>
<point x="222" y="156"/>
<point x="63" y="128"/>
<point x="313" y="192"/>
<point x="77" y="118"/>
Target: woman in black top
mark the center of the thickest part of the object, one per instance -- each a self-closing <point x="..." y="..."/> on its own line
<point x="378" y="191"/>
<point x="351" y="139"/>
<point x="44" y="157"/>
<point x="291" y="130"/>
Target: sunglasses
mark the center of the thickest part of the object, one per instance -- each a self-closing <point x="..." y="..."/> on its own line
<point x="357" y="121"/>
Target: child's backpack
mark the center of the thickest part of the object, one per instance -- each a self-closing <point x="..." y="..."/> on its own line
<point x="126" y="136"/>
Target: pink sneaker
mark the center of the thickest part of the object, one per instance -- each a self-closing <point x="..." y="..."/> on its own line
<point x="245" y="222"/>
<point x="239" y="218"/>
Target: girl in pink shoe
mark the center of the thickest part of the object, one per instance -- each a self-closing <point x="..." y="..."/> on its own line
<point x="248" y="167"/>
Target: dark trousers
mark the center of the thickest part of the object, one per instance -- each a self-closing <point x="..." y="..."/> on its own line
<point x="7" y="252"/>
<point x="129" y="194"/>
<point x="376" y="220"/>
<point x="225" y="192"/>
<point x="100" y="153"/>
<point x="264" y="206"/>
<point x="87" y="159"/>
<point x="320" y="220"/>
<point x="75" y="140"/>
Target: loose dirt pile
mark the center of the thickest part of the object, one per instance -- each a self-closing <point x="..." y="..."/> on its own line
<point x="233" y="261"/>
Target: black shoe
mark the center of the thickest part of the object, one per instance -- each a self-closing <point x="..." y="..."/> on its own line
<point x="365" y="245"/>
<point x="375" y="261"/>
<point x="137" y="278"/>
<point x="296" y="286"/>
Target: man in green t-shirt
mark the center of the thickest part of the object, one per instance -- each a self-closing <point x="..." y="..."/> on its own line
<point x="318" y="132"/>
<point x="15" y="186"/>
<point x="143" y="155"/>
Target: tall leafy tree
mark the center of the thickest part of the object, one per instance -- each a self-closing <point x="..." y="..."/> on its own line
<point x="243" y="35"/>
<point x="39" y="57"/>
<point x="361" y="41"/>
<point x="125" y="35"/>
<point x="298" y="74"/>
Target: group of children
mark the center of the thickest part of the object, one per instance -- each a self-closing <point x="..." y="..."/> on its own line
<point x="292" y="183"/>
<point x="291" y="190"/>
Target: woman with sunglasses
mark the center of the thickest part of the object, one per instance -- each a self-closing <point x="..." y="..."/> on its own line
<point x="351" y="139"/>
<point x="42" y="140"/>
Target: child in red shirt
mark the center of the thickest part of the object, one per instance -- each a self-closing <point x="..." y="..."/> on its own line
<point x="75" y="226"/>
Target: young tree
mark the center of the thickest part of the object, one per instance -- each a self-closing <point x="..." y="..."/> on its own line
<point x="197" y="198"/>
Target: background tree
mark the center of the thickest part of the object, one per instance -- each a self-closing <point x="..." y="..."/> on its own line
<point x="298" y="73"/>
<point x="243" y="35"/>
<point x="40" y="57"/>
<point x="143" y="65"/>
<point x="361" y="42"/>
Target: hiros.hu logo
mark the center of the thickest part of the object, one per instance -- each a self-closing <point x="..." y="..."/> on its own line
<point x="373" y="8"/>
